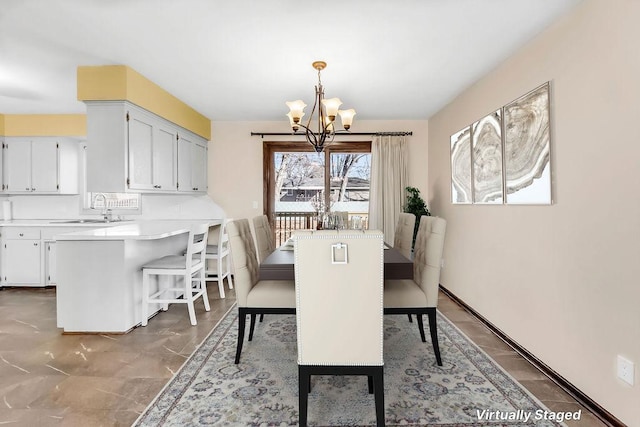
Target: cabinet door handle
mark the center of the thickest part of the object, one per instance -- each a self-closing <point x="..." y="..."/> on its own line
<point x="27" y="189"/>
<point x="35" y="244"/>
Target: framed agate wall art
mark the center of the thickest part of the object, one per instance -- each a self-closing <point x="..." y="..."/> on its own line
<point x="486" y="157"/>
<point x="461" y="191"/>
<point x="505" y="156"/>
<point x="526" y="148"/>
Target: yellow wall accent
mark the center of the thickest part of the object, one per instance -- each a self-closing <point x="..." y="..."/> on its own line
<point x="122" y="83"/>
<point x="43" y="124"/>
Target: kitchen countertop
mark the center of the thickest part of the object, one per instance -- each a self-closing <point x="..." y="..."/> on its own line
<point x="139" y="230"/>
<point x="60" y="223"/>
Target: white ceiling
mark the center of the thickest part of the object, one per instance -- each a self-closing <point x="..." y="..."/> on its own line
<point x="242" y="59"/>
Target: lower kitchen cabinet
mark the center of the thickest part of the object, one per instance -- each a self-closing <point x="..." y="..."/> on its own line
<point x="50" y="276"/>
<point x="21" y="253"/>
<point x="28" y="255"/>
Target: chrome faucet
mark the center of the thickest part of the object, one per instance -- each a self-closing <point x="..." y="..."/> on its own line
<point x="106" y="212"/>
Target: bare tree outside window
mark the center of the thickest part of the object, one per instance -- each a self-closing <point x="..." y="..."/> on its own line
<point x="302" y="185"/>
<point x="344" y="166"/>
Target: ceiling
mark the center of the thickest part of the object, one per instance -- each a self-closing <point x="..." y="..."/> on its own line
<point x="242" y="59"/>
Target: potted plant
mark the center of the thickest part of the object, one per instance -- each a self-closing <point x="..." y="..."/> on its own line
<point x="417" y="206"/>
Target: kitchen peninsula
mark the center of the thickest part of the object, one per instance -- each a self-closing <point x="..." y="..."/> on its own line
<point x="100" y="272"/>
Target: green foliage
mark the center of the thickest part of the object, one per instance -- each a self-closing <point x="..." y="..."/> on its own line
<point x="417" y="206"/>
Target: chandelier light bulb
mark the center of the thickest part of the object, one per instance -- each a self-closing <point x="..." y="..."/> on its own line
<point x="296" y="109"/>
<point x="331" y="107"/>
<point x="292" y="122"/>
<point x="347" y="117"/>
<point x="328" y="125"/>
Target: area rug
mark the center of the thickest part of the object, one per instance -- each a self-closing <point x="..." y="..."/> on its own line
<point x="469" y="389"/>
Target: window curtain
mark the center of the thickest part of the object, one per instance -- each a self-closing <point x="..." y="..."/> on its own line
<point x="389" y="177"/>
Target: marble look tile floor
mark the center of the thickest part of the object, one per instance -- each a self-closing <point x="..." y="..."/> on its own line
<point x="51" y="379"/>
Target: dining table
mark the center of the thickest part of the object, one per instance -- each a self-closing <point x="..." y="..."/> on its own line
<point x="279" y="265"/>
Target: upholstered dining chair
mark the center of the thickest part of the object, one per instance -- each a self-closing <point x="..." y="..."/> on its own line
<point x="264" y="238"/>
<point x="339" y="282"/>
<point x="190" y="267"/>
<point x="254" y="296"/>
<point x="420" y="295"/>
<point x="403" y="237"/>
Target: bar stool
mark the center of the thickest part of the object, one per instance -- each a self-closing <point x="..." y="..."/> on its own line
<point x="191" y="266"/>
<point x="221" y="253"/>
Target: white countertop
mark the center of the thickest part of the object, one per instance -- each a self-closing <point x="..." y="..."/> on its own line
<point x="139" y="230"/>
<point x="59" y="223"/>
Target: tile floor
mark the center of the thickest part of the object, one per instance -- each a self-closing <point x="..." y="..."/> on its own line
<point x="50" y="379"/>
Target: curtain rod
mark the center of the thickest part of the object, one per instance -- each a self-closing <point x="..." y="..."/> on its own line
<point x="263" y="134"/>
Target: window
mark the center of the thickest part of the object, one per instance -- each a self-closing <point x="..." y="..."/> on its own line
<point x="300" y="183"/>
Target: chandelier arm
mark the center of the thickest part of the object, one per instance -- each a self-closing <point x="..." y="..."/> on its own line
<point x="310" y="135"/>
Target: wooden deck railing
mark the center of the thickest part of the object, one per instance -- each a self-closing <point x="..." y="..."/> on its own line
<point x="287" y="222"/>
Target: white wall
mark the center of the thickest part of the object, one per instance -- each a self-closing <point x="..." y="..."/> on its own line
<point x="235" y="159"/>
<point x="561" y="280"/>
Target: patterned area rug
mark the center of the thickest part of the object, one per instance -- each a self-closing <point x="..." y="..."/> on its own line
<point x="262" y="390"/>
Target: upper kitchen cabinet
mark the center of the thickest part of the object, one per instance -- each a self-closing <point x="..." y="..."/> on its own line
<point x="152" y="153"/>
<point x="40" y="165"/>
<point x="140" y="138"/>
<point x="130" y="149"/>
<point x="192" y="165"/>
<point x="1" y="163"/>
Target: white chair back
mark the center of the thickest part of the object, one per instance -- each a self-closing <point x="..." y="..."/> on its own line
<point x="245" y="263"/>
<point x="264" y="238"/>
<point x="339" y="297"/>
<point x="197" y="245"/>
<point x="427" y="256"/>
<point x="403" y="237"/>
<point x="223" y="239"/>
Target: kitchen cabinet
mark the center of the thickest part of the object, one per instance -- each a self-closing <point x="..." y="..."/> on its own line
<point x="21" y="253"/>
<point x="40" y="165"/>
<point x="145" y="153"/>
<point x="28" y="254"/>
<point x="192" y="165"/>
<point x="50" y="276"/>
<point x="152" y="153"/>
<point x="1" y="173"/>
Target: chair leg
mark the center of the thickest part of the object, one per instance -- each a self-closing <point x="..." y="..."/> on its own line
<point x="252" y="327"/>
<point x="410" y="318"/>
<point x="203" y="286"/>
<point x="434" y="335"/>
<point x="378" y="383"/>
<point x="219" y="279"/>
<point x="421" y="327"/>
<point x="303" y="394"/>
<point x="242" y="319"/>
<point x="188" y="295"/>
<point x="145" y="298"/>
<point x="370" y="383"/>
<point x="165" y="306"/>
<point x="261" y="317"/>
<point x="229" y="279"/>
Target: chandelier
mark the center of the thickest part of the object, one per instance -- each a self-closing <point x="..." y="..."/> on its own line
<point x="327" y="110"/>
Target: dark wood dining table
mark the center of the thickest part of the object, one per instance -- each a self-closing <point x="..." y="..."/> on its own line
<point x="280" y="265"/>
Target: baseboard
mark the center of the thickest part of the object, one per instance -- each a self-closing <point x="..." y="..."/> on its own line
<point x="604" y="415"/>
